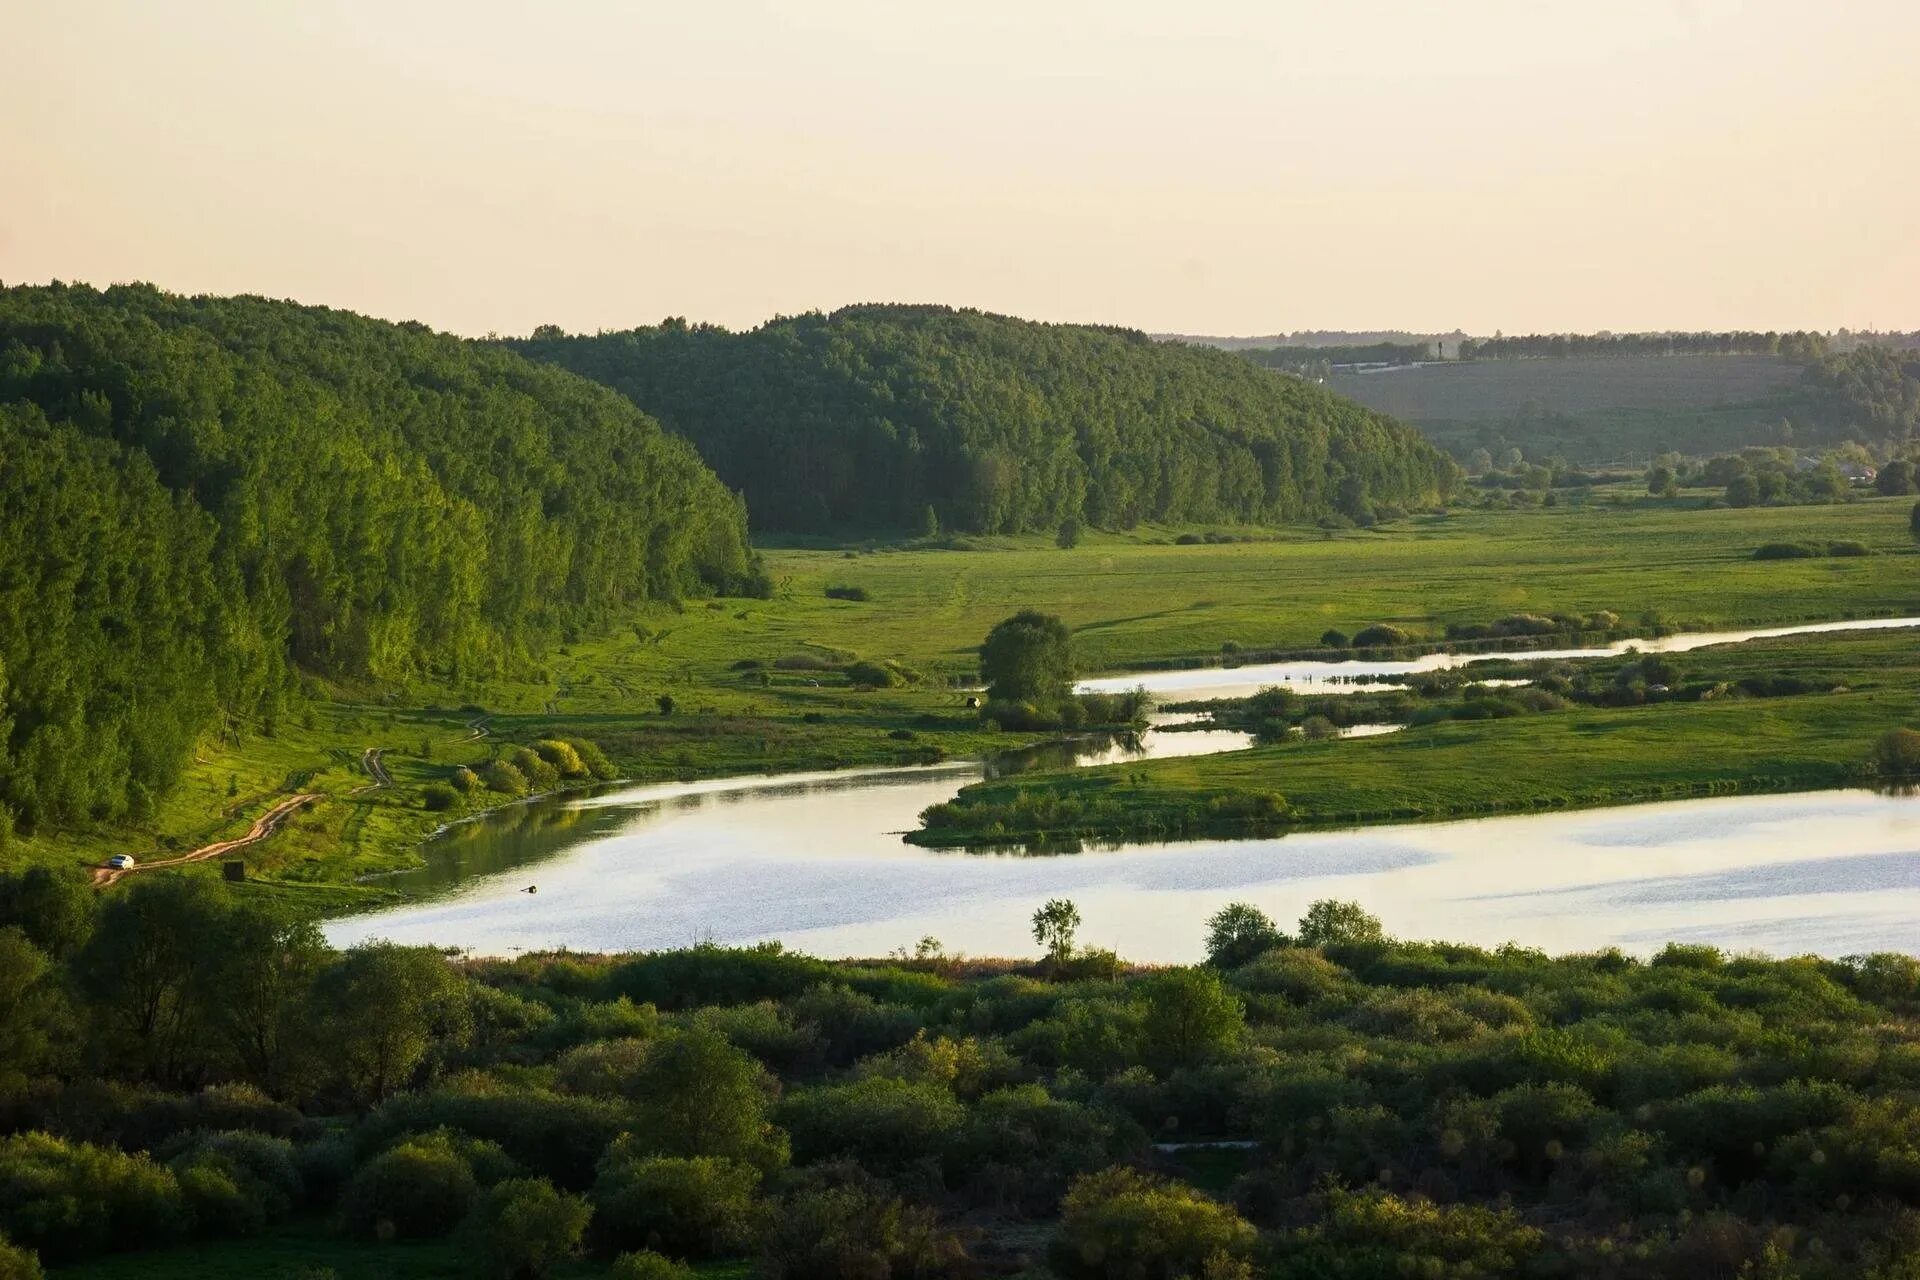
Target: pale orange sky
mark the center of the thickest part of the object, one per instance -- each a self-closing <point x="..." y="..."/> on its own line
<point x="1222" y="168"/>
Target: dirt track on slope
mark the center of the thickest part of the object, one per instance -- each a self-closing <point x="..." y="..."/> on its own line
<point x="263" y="826"/>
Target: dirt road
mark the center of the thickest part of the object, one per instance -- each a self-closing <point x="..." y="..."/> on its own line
<point x="263" y="826"/>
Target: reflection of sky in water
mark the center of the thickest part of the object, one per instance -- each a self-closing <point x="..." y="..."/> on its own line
<point x="1334" y="677"/>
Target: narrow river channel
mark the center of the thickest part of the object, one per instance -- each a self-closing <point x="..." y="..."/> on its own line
<point x="816" y="861"/>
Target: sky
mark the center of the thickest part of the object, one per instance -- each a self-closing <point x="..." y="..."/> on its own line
<point x="1243" y="168"/>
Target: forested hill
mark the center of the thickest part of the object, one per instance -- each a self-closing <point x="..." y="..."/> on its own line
<point x="200" y="495"/>
<point x="872" y="416"/>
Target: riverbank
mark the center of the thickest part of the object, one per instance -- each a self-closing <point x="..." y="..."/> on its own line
<point x="1724" y="741"/>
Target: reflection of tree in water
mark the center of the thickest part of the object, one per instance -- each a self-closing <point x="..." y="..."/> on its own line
<point x="1067" y="753"/>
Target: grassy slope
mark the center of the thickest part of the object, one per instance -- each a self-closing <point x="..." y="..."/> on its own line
<point x="1578" y="758"/>
<point x="1133" y="599"/>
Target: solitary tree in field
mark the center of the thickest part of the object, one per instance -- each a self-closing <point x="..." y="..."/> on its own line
<point x="1028" y="658"/>
<point x="1054" y="926"/>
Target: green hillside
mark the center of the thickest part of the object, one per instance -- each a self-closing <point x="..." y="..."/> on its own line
<point x="200" y="497"/>
<point x="870" y="417"/>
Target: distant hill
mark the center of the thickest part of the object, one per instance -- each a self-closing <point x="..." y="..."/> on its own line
<point x="1321" y="338"/>
<point x="873" y="417"/>
<point x="201" y="496"/>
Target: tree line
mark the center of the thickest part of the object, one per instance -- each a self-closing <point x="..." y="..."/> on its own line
<point x="930" y="418"/>
<point x="1799" y="345"/>
<point x="181" y="1065"/>
<point x="202" y="497"/>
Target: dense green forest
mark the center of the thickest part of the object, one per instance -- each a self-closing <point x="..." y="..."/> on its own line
<point x="200" y="498"/>
<point x="916" y="418"/>
<point x="188" y="1080"/>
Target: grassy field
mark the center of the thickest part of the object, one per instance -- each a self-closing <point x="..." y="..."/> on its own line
<point x="306" y="1249"/>
<point x="1577" y="758"/>
<point x="747" y="698"/>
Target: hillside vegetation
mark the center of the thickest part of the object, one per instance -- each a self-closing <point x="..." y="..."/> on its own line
<point x="200" y="497"/>
<point x="895" y="417"/>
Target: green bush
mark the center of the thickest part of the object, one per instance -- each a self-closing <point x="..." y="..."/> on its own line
<point x="848" y="593"/>
<point x="417" y="1189"/>
<point x="437" y="797"/>
<point x="1119" y="1224"/>
<point x="464" y="780"/>
<point x="540" y="775"/>
<point x="871" y="675"/>
<point x="237" y="1182"/>
<point x="1897" y="753"/>
<point x="1381" y="635"/>
<point x="1788" y="551"/>
<point x="562" y="756"/>
<point x="522" y="1228"/>
<point x="648" y="1265"/>
<point x="593" y="758"/>
<point x="72" y="1200"/>
<point x="690" y="1207"/>
<point x="884" y="1124"/>
<point x="852" y="1230"/>
<point x="505" y="778"/>
<point x="17" y="1263"/>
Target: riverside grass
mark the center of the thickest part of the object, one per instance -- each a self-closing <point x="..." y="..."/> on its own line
<point x="1133" y="599"/>
<point x="1581" y="757"/>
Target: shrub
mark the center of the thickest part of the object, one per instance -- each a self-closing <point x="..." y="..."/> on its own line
<point x="1020" y="1147"/>
<point x="690" y="1207"/>
<point x="542" y="775"/>
<point x="648" y="1265"/>
<point x="1848" y="547"/>
<point x="237" y="1182"/>
<point x="1788" y="551"/>
<point x="593" y="758"/>
<point x="17" y="1263"/>
<point x="1332" y="639"/>
<point x="884" y="1124"/>
<point x="553" y="1134"/>
<point x="562" y="756"/>
<point x="1897" y="753"/>
<point x="523" y="1227"/>
<point x="1381" y="635"/>
<point x="464" y="780"/>
<point x="848" y="593"/>
<point x="420" y="1188"/>
<point x="873" y="675"/>
<point x="71" y="1200"/>
<point x="504" y="778"/>
<point x="437" y="797"/>
<point x="1119" y="1224"/>
<point x="852" y="1230"/>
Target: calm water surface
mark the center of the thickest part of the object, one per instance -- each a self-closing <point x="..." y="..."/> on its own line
<point x="816" y="860"/>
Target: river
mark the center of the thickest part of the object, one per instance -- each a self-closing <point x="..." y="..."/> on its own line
<point x="816" y="861"/>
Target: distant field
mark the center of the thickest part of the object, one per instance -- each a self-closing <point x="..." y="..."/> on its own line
<point x="1495" y="389"/>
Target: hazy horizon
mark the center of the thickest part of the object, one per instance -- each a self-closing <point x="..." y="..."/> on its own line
<point x="1236" y="170"/>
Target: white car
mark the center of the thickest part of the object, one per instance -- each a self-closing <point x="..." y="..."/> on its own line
<point x="121" y="862"/>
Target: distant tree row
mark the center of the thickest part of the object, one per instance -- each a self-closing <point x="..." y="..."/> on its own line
<point x="200" y="496"/>
<point x="1799" y="345"/>
<point x="872" y="416"/>
<point x="1321" y="359"/>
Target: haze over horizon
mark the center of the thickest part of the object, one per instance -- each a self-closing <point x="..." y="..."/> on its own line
<point x="1235" y="169"/>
